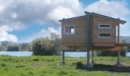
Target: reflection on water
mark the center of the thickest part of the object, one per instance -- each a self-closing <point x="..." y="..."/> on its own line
<point x="28" y="53"/>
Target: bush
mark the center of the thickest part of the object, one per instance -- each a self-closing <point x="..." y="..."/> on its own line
<point x="128" y="48"/>
<point x="45" y="46"/>
<point x="12" y="47"/>
<point x="79" y="64"/>
<point x="111" y="53"/>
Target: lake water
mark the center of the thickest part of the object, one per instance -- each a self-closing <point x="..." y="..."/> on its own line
<point x="15" y="53"/>
<point x="128" y="54"/>
<point x="71" y="54"/>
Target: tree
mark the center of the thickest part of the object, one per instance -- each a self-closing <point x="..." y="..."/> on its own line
<point x="45" y="46"/>
<point x="12" y="48"/>
<point x="24" y="46"/>
<point x="56" y="40"/>
<point x="42" y="46"/>
<point x="128" y="48"/>
<point x="5" y="43"/>
<point x="2" y="48"/>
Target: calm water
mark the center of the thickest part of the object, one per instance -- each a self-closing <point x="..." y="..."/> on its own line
<point x="15" y="53"/>
<point x="128" y="54"/>
<point x="71" y="54"/>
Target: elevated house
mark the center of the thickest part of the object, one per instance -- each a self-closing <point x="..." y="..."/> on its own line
<point x="91" y="31"/>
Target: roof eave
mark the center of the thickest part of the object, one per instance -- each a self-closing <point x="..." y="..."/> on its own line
<point x="118" y="20"/>
<point x="72" y="18"/>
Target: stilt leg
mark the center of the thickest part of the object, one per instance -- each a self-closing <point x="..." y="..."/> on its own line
<point x="88" y="65"/>
<point x="63" y="58"/>
<point x="92" y="57"/>
<point x="118" y="64"/>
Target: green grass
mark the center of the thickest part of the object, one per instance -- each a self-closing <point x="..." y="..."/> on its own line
<point x="49" y="66"/>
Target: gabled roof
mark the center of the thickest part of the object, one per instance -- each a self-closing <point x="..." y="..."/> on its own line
<point x="117" y="20"/>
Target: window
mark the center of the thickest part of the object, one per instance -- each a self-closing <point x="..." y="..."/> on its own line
<point x="104" y="35"/>
<point x="104" y="26"/>
<point x="69" y="29"/>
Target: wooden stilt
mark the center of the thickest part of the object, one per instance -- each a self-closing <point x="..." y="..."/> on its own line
<point x="92" y="57"/>
<point x="88" y="65"/>
<point x="118" y="64"/>
<point x="63" y="58"/>
<point x="118" y="34"/>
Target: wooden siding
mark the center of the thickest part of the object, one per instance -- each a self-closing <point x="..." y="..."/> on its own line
<point x="80" y="32"/>
<point x="103" y="41"/>
<point x="79" y="39"/>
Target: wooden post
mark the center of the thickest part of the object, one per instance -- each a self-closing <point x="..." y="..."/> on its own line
<point x="88" y="65"/>
<point x="92" y="57"/>
<point x="118" y="64"/>
<point x="63" y="58"/>
<point x="88" y="38"/>
<point x="118" y="36"/>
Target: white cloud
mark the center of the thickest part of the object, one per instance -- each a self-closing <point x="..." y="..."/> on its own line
<point x="26" y="11"/>
<point x="55" y="10"/>
<point x="110" y="8"/>
<point x="42" y="33"/>
<point x="61" y="12"/>
<point x="16" y="14"/>
<point x="4" y="36"/>
<point x="46" y="32"/>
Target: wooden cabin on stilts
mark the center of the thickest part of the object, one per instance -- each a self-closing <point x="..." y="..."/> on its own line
<point x="91" y="32"/>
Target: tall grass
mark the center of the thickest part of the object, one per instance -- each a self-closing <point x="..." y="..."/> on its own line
<point x="49" y="66"/>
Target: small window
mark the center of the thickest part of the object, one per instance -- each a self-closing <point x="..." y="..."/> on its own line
<point x="69" y="29"/>
<point x="104" y="35"/>
<point x="104" y="26"/>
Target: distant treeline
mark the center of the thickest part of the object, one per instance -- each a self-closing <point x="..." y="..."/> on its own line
<point x="40" y="46"/>
<point x="11" y="46"/>
<point x="49" y="46"/>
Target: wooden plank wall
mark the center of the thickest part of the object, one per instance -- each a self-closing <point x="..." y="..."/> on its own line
<point x="80" y="32"/>
<point x="79" y="39"/>
<point x="99" y="20"/>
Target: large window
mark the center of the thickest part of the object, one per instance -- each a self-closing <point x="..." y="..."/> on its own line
<point x="69" y="29"/>
<point x="104" y="26"/>
<point x="104" y="35"/>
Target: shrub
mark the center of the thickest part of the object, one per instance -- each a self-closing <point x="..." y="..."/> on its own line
<point x="42" y="46"/>
<point x="79" y="64"/>
<point x="111" y="53"/>
<point x="45" y="46"/>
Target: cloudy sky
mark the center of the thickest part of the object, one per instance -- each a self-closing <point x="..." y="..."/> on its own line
<point x="25" y="20"/>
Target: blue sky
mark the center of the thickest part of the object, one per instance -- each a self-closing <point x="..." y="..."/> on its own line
<point x="25" y="20"/>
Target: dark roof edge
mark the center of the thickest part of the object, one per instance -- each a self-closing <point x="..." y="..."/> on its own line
<point x="118" y="20"/>
<point x="122" y="21"/>
<point x="72" y="18"/>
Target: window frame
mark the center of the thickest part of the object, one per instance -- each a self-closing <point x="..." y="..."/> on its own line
<point x="99" y="26"/>
<point x="103" y="37"/>
<point x="69" y="33"/>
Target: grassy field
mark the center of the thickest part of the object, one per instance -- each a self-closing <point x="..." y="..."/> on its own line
<point x="48" y="66"/>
